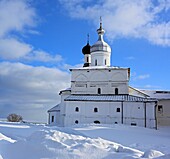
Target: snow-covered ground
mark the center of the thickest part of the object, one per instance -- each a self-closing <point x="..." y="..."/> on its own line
<point x="29" y="141"/>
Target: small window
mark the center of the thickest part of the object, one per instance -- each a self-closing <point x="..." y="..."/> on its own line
<point x="116" y="91"/>
<point x="115" y="122"/>
<point x="95" y="62"/>
<point x="138" y="107"/>
<point x="105" y="62"/>
<point x="97" y="122"/>
<point x="52" y="119"/>
<point x="87" y="59"/>
<point x="99" y="91"/>
<point x="77" y="109"/>
<point x="133" y="124"/>
<point x="76" y="122"/>
<point x="95" y="110"/>
<point x="160" y="108"/>
<point x="118" y="110"/>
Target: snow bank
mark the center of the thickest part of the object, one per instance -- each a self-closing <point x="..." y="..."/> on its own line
<point x="57" y="144"/>
<point x="27" y="141"/>
<point x="152" y="154"/>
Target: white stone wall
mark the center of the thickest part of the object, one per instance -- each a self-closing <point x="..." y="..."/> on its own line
<point x="133" y="113"/>
<point x="98" y="58"/>
<point x="56" y="116"/>
<point x="87" y="81"/>
<point x="87" y="58"/>
<point x="106" y="112"/>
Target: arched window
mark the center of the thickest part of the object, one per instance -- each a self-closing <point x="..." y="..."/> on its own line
<point x="95" y="110"/>
<point x="97" y="122"/>
<point x="99" y="91"/>
<point x="116" y="91"/>
<point x="76" y="122"/>
<point x="95" y="62"/>
<point x="87" y="59"/>
<point x="77" y="109"/>
<point x="105" y="62"/>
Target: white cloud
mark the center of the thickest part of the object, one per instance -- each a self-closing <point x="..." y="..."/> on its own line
<point x="13" y="49"/>
<point x="141" y="77"/>
<point x="15" y="15"/>
<point x="130" y="58"/>
<point x="30" y="90"/>
<point x="126" y="18"/>
<point x="39" y="55"/>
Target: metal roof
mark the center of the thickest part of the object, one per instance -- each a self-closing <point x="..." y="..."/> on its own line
<point x="160" y="95"/>
<point x="55" y="108"/>
<point x="109" y="98"/>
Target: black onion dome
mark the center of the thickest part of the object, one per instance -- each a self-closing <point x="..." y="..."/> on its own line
<point x="86" y="49"/>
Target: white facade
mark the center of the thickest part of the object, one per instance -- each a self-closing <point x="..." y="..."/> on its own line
<point x="100" y="94"/>
<point x="89" y="80"/>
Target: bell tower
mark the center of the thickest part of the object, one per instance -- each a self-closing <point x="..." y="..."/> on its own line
<point x="100" y="51"/>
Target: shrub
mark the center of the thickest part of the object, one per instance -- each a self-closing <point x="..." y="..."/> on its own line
<point x="14" y="118"/>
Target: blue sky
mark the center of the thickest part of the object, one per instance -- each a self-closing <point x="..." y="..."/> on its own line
<point x="41" y="39"/>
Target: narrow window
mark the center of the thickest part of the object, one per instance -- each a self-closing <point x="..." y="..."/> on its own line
<point x="118" y="110"/>
<point x="105" y="62"/>
<point x="116" y="91"/>
<point x="52" y="119"/>
<point x="116" y="122"/>
<point x="99" y="91"/>
<point x="95" y="62"/>
<point x="87" y="59"/>
<point x="77" y="109"/>
<point x="76" y="122"/>
<point x="95" y="110"/>
<point x="97" y="122"/>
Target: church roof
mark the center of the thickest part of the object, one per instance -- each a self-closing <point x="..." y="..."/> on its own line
<point x="100" y="45"/>
<point x="86" y="49"/>
<point x="55" y="108"/>
<point x="109" y="98"/>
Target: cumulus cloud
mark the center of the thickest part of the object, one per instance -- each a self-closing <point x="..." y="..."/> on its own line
<point x="126" y="18"/>
<point x="40" y="55"/>
<point x="15" y="15"/>
<point x="13" y="49"/>
<point x="29" y="90"/>
<point x="22" y="19"/>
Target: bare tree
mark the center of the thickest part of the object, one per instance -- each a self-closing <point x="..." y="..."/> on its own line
<point x="14" y="118"/>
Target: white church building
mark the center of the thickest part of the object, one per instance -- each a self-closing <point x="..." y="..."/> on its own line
<point x="101" y="93"/>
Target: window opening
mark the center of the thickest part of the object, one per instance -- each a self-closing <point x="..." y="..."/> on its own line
<point x="160" y="108"/>
<point x="116" y="91"/>
<point x="76" y="122"/>
<point x="118" y="110"/>
<point x="87" y="59"/>
<point x="97" y="122"/>
<point x="105" y="61"/>
<point x="52" y="119"/>
<point x="95" y="110"/>
<point x="133" y="124"/>
<point x="99" y="91"/>
<point x="77" y="109"/>
<point x="95" y="62"/>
